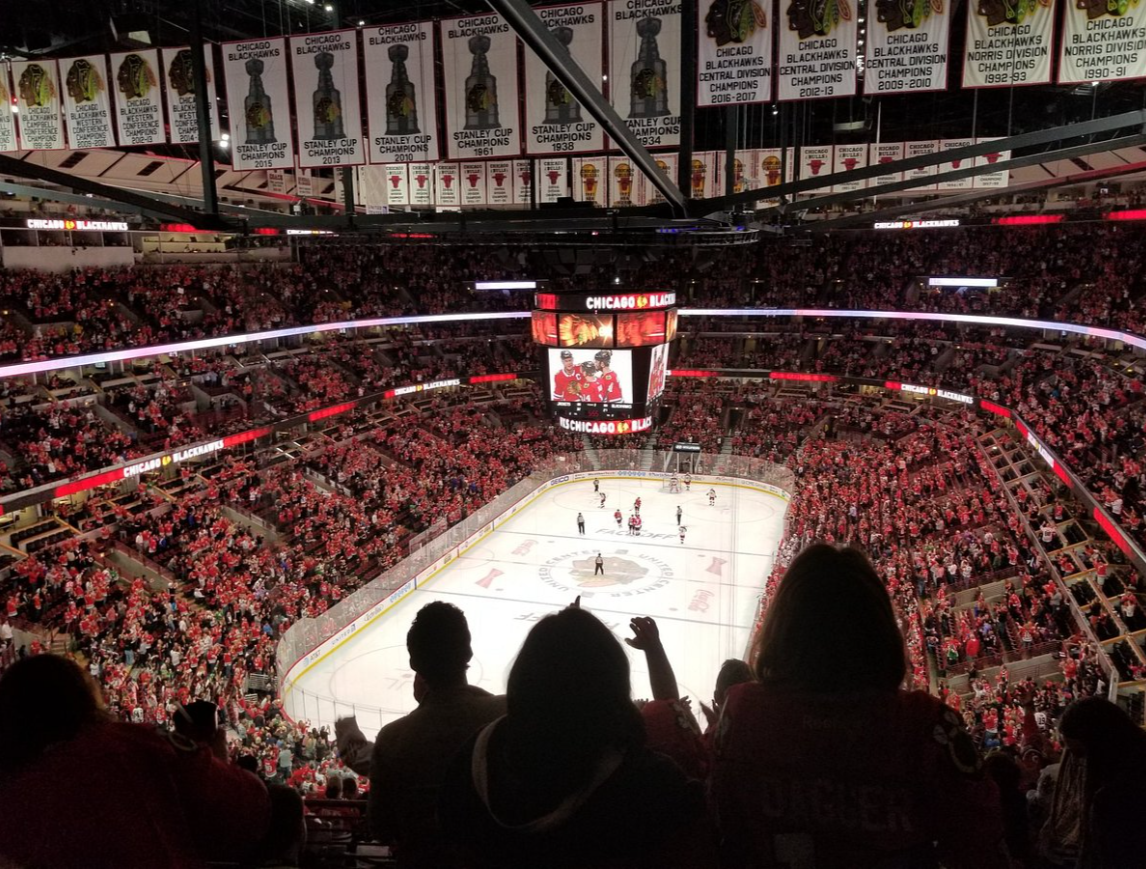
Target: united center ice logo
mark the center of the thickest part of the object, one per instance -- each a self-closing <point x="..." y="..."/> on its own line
<point x="626" y="573"/>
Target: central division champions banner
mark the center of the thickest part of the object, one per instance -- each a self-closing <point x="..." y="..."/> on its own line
<point x="180" y="89"/>
<point x="138" y="104"/>
<point x="644" y="58"/>
<point x="908" y="46"/>
<point x="554" y="121"/>
<point x="1103" y="41"/>
<point x="7" y="119"/>
<point x="326" y="106"/>
<point x="817" y="49"/>
<point x="401" y="102"/>
<point x="734" y="53"/>
<point x="479" y="56"/>
<point x="38" y="89"/>
<point x="258" y="96"/>
<point x="1008" y="42"/>
<point x="87" y="103"/>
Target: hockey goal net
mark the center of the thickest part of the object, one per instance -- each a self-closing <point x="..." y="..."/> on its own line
<point x="670" y="485"/>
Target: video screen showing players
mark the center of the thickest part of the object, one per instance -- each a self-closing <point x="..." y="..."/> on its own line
<point x="658" y="369"/>
<point x="594" y="377"/>
<point x="642" y="329"/>
<point x="585" y="330"/>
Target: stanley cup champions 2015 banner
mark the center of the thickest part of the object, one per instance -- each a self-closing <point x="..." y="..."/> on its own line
<point x="180" y="88"/>
<point x="908" y="46"/>
<point x="817" y="49"/>
<point x="257" y="93"/>
<point x="138" y="100"/>
<point x="401" y="102"/>
<point x="38" y="92"/>
<point x="479" y="56"/>
<point x="326" y="107"/>
<point x="1008" y="42"/>
<point x="7" y="119"/>
<point x="734" y="52"/>
<point x="554" y="121"/>
<point x="644" y="60"/>
<point x="87" y="102"/>
<point x="1103" y="40"/>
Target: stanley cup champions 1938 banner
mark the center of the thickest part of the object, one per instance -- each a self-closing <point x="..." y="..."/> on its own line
<point x="555" y="122"/>
<point x="817" y="49"/>
<point x="1008" y="42"/>
<point x="179" y="85"/>
<point x="1103" y="40"/>
<point x="734" y="52"/>
<point x="324" y="67"/>
<point x="908" y="46"/>
<point x="401" y="102"/>
<point x="7" y="119"/>
<point x="38" y="98"/>
<point x="644" y="59"/>
<point x="479" y="56"/>
<point x="257" y="93"/>
<point x="87" y="102"/>
<point x="138" y="97"/>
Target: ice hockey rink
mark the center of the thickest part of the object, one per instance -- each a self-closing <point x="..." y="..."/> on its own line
<point x="703" y="593"/>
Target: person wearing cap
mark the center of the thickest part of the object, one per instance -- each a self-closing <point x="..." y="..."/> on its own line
<point x="610" y="383"/>
<point x="567" y="381"/>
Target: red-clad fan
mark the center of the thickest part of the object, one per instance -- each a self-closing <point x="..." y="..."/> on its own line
<point x="567" y="381"/>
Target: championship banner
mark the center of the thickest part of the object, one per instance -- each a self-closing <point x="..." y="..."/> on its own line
<point x="622" y="182"/>
<point x="499" y="182"/>
<point x="817" y="49"/>
<point x="473" y="180"/>
<point x="644" y="60"/>
<point x="553" y="179"/>
<point x="256" y="74"/>
<point x="1008" y="42"/>
<point x="180" y="89"/>
<point x="38" y="91"/>
<point x="401" y="103"/>
<point x="951" y="165"/>
<point x="1103" y="41"/>
<point x="421" y="184"/>
<point x="276" y="181"/>
<point x="908" y="47"/>
<point x="816" y="161"/>
<point x="138" y="98"/>
<point x="324" y="67"/>
<point x="647" y="193"/>
<point x="555" y="123"/>
<point x="703" y="180"/>
<point x="447" y="184"/>
<point x="589" y="179"/>
<point x="768" y="163"/>
<point x="919" y="149"/>
<point x="523" y="182"/>
<point x="991" y="180"/>
<point x="742" y="165"/>
<point x="479" y="54"/>
<point x="7" y="118"/>
<point x="304" y="183"/>
<point x="87" y="103"/>
<point x="734" y="53"/>
<point x="882" y="153"/>
<point x="848" y="158"/>
<point x="397" y="184"/>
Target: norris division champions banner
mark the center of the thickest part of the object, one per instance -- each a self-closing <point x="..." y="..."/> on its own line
<point x="1008" y="42"/>
<point x="908" y="46"/>
<point x="138" y="100"/>
<point x="734" y="52"/>
<point x="1104" y="40"/>
<point x="326" y="106"/>
<point x="479" y="55"/>
<point x="180" y="89"/>
<point x="644" y="60"/>
<point x="38" y="91"/>
<point x="401" y="103"/>
<point x="7" y="119"/>
<point x="257" y="93"/>
<point x="817" y="49"/>
<point x="87" y="102"/>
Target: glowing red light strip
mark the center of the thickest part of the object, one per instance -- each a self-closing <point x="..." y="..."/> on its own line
<point x="1132" y="214"/>
<point x="1113" y="532"/>
<point x="809" y="378"/>
<point x="997" y="409"/>
<point x="1028" y="219"/>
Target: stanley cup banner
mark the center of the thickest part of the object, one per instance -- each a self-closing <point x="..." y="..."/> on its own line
<point x="324" y="67"/>
<point x="473" y="183"/>
<point x="179" y="86"/>
<point x="401" y="103"/>
<point x="421" y="184"/>
<point x="817" y="49"/>
<point x="447" y="184"/>
<point x="259" y="101"/>
<point x="734" y="52"/>
<point x="1008" y="42"/>
<point x="138" y="97"/>
<point x="87" y="102"/>
<point x="38" y="98"/>
<point x="555" y="123"/>
<point x="849" y="158"/>
<point x="7" y="118"/>
<point x="1103" y="40"/>
<point x="552" y="180"/>
<point x="479" y="56"/>
<point x="907" y="46"/>
<point x="523" y="182"/>
<point x="644" y="60"/>
<point x="499" y="182"/>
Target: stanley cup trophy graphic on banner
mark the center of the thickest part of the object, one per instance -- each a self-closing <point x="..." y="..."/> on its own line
<point x="589" y="182"/>
<point x="257" y="112"/>
<point x="648" y="78"/>
<point x="327" y="101"/>
<point x="560" y="107"/>
<point x="624" y="176"/>
<point x="401" y="98"/>
<point x="481" y="89"/>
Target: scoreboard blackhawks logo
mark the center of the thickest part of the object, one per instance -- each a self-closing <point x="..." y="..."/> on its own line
<point x="637" y="574"/>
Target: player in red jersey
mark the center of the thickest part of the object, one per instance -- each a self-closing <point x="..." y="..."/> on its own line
<point x="567" y="381"/>
<point x="591" y="384"/>
<point x="610" y="383"/>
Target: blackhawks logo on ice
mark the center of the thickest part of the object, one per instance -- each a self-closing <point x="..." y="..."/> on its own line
<point x="618" y="571"/>
<point x="626" y="573"/>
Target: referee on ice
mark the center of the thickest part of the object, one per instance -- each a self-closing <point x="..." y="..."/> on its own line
<point x="599" y="566"/>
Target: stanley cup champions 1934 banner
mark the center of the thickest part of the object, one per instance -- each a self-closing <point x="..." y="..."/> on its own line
<point x="555" y="122"/>
<point x="817" y="49"/>
<point x="644" y="58"/>
<point x="257" y="93"/>
<point x="734" y="52"/>
<point x="401" y="102"/>
<point x="179" y="85"/>
<point x="1008" y="42"/>
<point x="479" y="56"/>
<point x="1103" y="40"/>
<point x="87" y="101"/>
<point x="908" y="46"/>
<point x="7" y="119"/>
<point x="138" y="97"/>
<point x="38" y="98"/>
<point x="324" y="67"/>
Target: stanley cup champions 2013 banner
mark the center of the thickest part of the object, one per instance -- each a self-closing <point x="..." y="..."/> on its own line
<point x="401" y="101"/>
<point x="644" y="61"/>
<point x="1008" y="42"/>
<point x="1103" y="40"/>
<point x="7" y="119"/>
<point x="38" y="98"/>
<point x="258" y="96"/>
<point x="138" y="100"/>
<point x="817" y="49"/>
<point x="908" y="46"/>
<point x="326" y="107"/>
<point x="87" y="102"/>
<point x="555" y="122"/>
<point x="734" y="52"/>
<point x="479" y="56"/>
<point x="179" y="84"/>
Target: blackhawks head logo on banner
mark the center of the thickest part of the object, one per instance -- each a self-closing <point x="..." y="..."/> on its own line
<point x="135" y="78"/>
<point x="734" y="20"/>
<point x="84" y="83"/>
<point x="817" y="17"/>
<point x="36" y="87"/>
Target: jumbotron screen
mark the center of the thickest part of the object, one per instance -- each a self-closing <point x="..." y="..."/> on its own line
<point x="602" y="378"/>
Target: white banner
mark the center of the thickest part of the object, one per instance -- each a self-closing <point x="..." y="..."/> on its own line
<point x="1103" y="42"/>
<point x="769" y="163"/>
<point x="704" y="179"/>
<point x="324" y="67"/>
<point x="849" y="158"/>
<point x="180" y="90"/>
<point x="944" y="184"/>
<point x="622" y="182"/>
<point x="473" y="183"/>
<point x="87" y="102"/>
<point x="38" y="98"/>
<point x="918" y="149"/>
<point x="401" y="102"/>
<point x="7" y="118"/>
<point x="816" y="162"/>
<point x="741" y="169"/>
<point x="644" y="59"/>
<point x="397" y="184"/>
<point x="992" y="180"/>
<point x="907" y="47"/>
<point x="371" y="188"/>
<point x="447" y="184"/>
<point x="138" y="97"/>
<point x="647" y="192"/>
<point x="1008" y="43"/>
<point x="421" y="184"/>
<point x="886" y="152"/>
<point x="553" y="179"/>
<point x="479" y="54"/>
<point x="499" y="182"/>
<point x="304" y="183"/>
<point x="734" y="53"/>
<point x="589" y="181"/>
<point x="817" y="49"/>
<point x="257" y="93"/>
<point x="276" y="181"/>
<point x="523" y="176"/>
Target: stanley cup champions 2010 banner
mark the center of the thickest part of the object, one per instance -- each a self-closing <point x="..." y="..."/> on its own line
<point x="87" y="102"/>
<point x="7" y="119"/>
<point x="734" y="52"/>
<point x="138" y="100"/>
<point x="257" y="93"/>
<point x="479" y="56"/>
<point x="555" y="122"/>
<point x="817" y="49"/>
<point x="179" y="85"/>
<point x="326" y="106"/>
<point x="1008" y="42"/>
<point x="38" y="92"/>
<point x="908" y="46"/>
<point x="1103" y="40"/>
<point x="644" y="60"/>
<point x="401" y="101"/>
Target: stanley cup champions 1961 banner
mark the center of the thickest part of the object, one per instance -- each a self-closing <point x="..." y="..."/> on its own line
<point x="1103" y="40"/>
<point x="734" y="52"/>
<point x="179" y="85"/>
<point x="479" y="56"/>
<point x="257" y="93"/>
<point x="324" y="67"/>
<point x="401" y="102"/>
<point x="138" y="97"/>
<point x="87" y="102"/>
<point x="1008" y="42"/>
<point x="908" y="46"/>
<point x="38" y="98"/>
<point x="817" y="49"/>
<point x="555" y="122"/>
<point x="7" y="119"/>
<point x="644" y="58"/>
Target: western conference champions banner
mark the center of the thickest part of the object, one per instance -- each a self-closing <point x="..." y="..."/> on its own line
<point x="38" y="98"/>
<point x="401" y="101"/>
<point x="87" y="102"/>
<point x="734" y="52"/>
<point x="7" y="119"/>
<point x="907" y="46"/>
<point x="555" y="122"/>
<point x="138" y="100"/>
<point x="1008" y="42"/>
<point x="479" y="56"/>
<point x="326" y="106"/>
<point x="817" y="49"/>
<point x="179" y="85"/>
<point x="257" y="92"/>
<point x="1101" y="43"/>
<point x="644" y="59"/>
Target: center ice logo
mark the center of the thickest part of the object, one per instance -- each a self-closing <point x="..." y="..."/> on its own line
<point x="618" y="571"/>
<point x="575" y="570"/>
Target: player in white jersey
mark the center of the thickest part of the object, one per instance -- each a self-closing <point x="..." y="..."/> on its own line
<point x="711" y="497"/>
<point x="687" y="482"/>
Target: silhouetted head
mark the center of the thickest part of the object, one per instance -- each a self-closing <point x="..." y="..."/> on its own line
<point x="439" y="644"/>
<point x="732" y="672"/>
